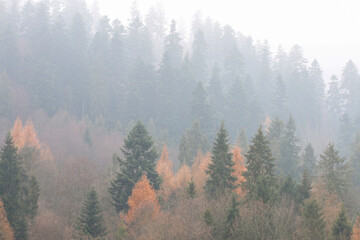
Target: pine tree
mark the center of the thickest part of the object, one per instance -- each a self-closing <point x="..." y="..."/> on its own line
<point x="220" y="178"/>
<point x="139" y="157"/>
<point x="260" y="179"/>
<point x="90" y="223"/>
<point x="334" y="170"/>
<point x="309" y="160"/>
<point x="342" y="229"/>
<point x="11" y="175"/>
<point x="289" y="150"/>
<point x="313" y="223"/>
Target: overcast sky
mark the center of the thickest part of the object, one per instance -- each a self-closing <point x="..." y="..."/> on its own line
<point x="326" y="29"/>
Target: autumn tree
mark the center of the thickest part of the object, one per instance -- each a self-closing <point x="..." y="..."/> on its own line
<point x="6" y="232"/>
<point x="17" y="133"/>
<point x="142" y="202"/>
<point x="139" y="158"/>
<point x="90" y="223"/>
<point x="220" y="170"/>
<point x="239" y="168"/>
<point x="165" y="171"/>
<point x="198" y="170"/>
<point x="183" y="177"/>
<point x="260" y="177"/>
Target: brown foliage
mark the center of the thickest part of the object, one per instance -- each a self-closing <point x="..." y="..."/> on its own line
<point x="164" y="169"/>
<point x="29" y="135"/>
<point x="142" y="203"/>
<point x="198" y="170"/>
<point x="6" y="232"/>
<point x="183" y="177"/>
<point x="239" y="168"/>
<point x="356" y="229"/>
<point x="17" y="133"/>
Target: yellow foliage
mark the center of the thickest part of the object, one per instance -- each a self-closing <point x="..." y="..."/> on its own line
<point x="29" y="135"/>
<point x="17" y="133"/>
<point x="239" y="168"/>
<point x="6" y="232"/>
<point x="142" y="202"/>
<point x="198" y="170"/>
<point x="164" y="169"/>
<point x="183" y="177"/>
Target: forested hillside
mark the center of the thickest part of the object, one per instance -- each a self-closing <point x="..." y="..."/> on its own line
<point x="146" y="130"/>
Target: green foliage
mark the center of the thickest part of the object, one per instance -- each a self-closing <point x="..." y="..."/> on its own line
<point x="355" y="160"/>
<point x="191" y="189"/>
<point x="260" y="181"/>
<point x="90" y="223"/>
<point x="342" y="229"/>
<point x="191" y="142"/>
<point x="309" y="160"/>
<point x="208" y="218"/>
<point x="303" y="189"/>
<point x="334" y="170"/>
<point x="11" y="176"/>
<point x="220" y="169"/>
<point x="140" y="157"/>
<point x="313" y="222"/>
<point x="274" y="136"/>
<point x="231" y="215"/>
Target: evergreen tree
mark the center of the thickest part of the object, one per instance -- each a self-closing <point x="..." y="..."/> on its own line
<point x="172" y="46"/>
<point x="214" y="89"/>
<point x="333" y="101"/>
<point x="342" y="229"/>
<point x="140" y="158"/>
<point x="191" y="189"/>
<point x="199" y="56"/>
<point x="11" y="176"/>
<point x="289" y="160"/>
<point x="90" y="223"/>
<point x="350" y="85"/>
<point x="334" y="170"/>
<point x="220" y="178"/>
<point x="274" y="136"/>
<point x="191" y="142"/>
<point x="346" y="134"/>
<point x="303" y="189"/>
<point x="309" y="160"/>
<point x="281" y="104"/>
<point x="242" y="141"/>
<point x="355" y="160"/>
<point x="313" y="222"/>
<point x="260" y="177"/>
<point x="231" y="215"/>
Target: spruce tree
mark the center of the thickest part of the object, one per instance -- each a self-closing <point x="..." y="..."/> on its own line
<point x="334" y="170"/>
<point x="260" y="177"/>
<point x="140" y="158"/>
<point x="303" y="189"/>
<point x="231" y="215"/>
<point x="191" y="189"/>
<point x="11" y="175"/>
<point x="342" y="229"/>
<point x="274" y="136"/>
<point x="281" y="101"/>
<point x="309" y="160"/>
<point x="289" y="150"/>
<point x="220" y="178"/>
<point x="90" y="223"/>
<point x="355" y="160"/>
<point x="313" y="222"/>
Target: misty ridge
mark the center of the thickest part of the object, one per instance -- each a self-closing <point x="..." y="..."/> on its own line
<point x="149" y="129"/>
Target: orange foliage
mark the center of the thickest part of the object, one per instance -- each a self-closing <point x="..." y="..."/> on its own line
<point x="164" y="169"/>
<point x="183" y="177"/>
<point x="142" y="202"/>
<point x="198" y="169"/>
<point x="29" y="135"/>
<point x="6" y="232"/>
<point x="356" y="229"/>
<point x="329" y="202"/>
<point x="239" y="168"/>
<point x="17" y="133"/>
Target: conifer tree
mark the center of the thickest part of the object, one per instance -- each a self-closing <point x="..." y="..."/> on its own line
<point x="334" y="170"/>
<point x="274" y="136"/>
<point x="220" y="178"/>
<point x="355" y="160"/>
<point x="260" y="175"/>
<point x="11" y="175"/>
<point x="242" y="141"/>
<point x="90" y="223"/>
<point x="139" y="158"/>
<point x="191" y="189"/>
<point x="342" y="229"/>
<point x="289" y="150"/>
<point x="313" y="222"/>
<point x="231" y="215"/>
<point x="281" y="102"/>
<point x="309" y="160"/>
<point x="303" y="189"/>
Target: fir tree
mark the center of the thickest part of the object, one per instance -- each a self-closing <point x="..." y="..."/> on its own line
<point x="220" y="178"/>
<point x="355" y="159"/>
<point x="281" y="104"/>
<point x="289" y="160"/>
<point x="260" y="179"/>
<point x="303" y="189"/>
<point x="11" y="175"/>
<point x="90" y="223"/>
<point x="139" y="158"/>
<point x="309" y="160"/>
<point x="313" y="222"/>
<point x="274" y="136"/>
<point x="231" y="215"/>
<point x="191" y="189"/>
<point x="242" y="141"/>
<point x="334" y="170"/>
<point x="342" y="229"/>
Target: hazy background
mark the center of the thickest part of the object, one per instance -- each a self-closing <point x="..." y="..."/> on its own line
<point x="326" y="29"/>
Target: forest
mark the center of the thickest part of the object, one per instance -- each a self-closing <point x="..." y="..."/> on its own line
<point x="150" y="129"/>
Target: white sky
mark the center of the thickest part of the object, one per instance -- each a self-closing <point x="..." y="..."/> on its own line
<point x="326" y="29"/>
